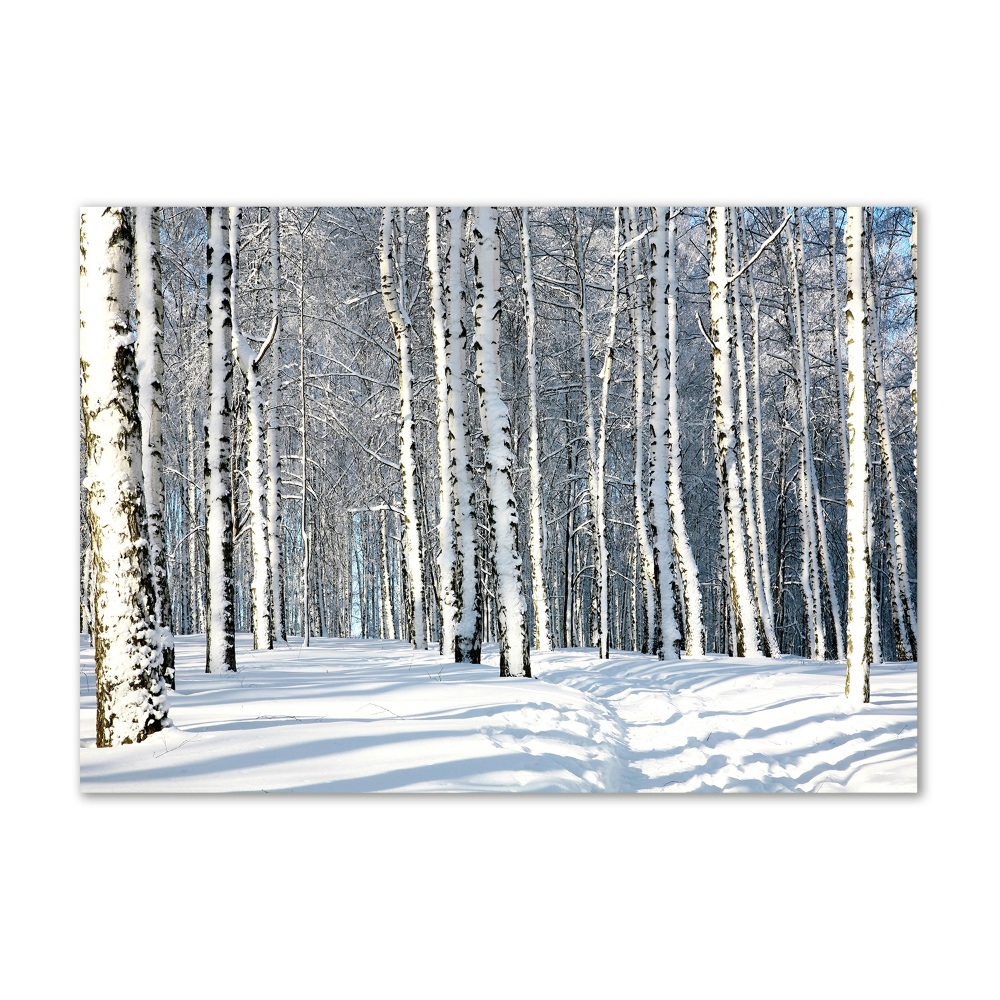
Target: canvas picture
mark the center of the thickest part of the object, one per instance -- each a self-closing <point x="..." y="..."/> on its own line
<point x="494" y="499"/>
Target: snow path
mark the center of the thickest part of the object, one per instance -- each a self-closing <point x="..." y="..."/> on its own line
<point x="358" y="715"/>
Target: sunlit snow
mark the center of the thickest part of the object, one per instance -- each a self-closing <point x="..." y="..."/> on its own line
<point x="353" y="715"/>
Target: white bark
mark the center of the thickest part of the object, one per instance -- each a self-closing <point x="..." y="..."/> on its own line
<point x="747" y="638"/>
<point x="511" y="609"/>
<point x="543" y="632"/>
<point x="448" y="555"/>
<point x="694" y="632"/>
<point x="916" y="336"/>
<point x="904" y="612"/>
<point x="858" y="566"/>
<point x="647" y="560"/>
<point x="149" y="362"/>
<point x="221" y="640"/>
<point x="131" y="702"/>
<point x="597" y="520"/>
<point x="257" y="489"/>
<point x="469" y="626"/>
<point x="274" y="532"/>
<point x="402" y="330"/>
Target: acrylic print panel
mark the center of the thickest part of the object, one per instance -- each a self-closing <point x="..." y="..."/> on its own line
<point x="548" y="499"/>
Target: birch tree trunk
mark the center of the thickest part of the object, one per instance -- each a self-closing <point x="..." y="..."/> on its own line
<point x="694" y="632"/>
<point x="745" y="621"/>
<point x="543" y="632"/>
<point x="593" y="475"/>
<point x="666" y="633"/>
<point x="469" y="624"/>
<point x="403" y="331"/>
<point x="511" y="609"/>
<point x="647" y="560"/>
<point x="859" y="607"/>
<point x="131" y="702"/>
<point x="149" y="363"/>
<point x="448" y="559"/>
<point x="257" y="489"/>
<point x="274" y="532"/>
<point x="904" y="613"/>
<point x="916" y="336"/>
<point x="221" y="638"/>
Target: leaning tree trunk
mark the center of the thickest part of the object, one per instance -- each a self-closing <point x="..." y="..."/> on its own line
<point x="543" y="632"/>
<point x="745" y="619"/>
<point x="250" y="362"/>
<point x="403" y="330"/>
<point x="859" y="608"/>
<point x="149" y="362"/>
<point x="512" y="614"/>
<point x="131" y="703"/>
<point x="221" y="639"/>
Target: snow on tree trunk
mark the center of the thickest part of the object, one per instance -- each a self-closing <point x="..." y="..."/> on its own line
<point x="597" y="515"/>
<point x="274" y="532"/>
<point x="543" y="632"/>
<point x="388" y="618"/>
<point x="837" y="352"/>
<point x="149" y="362"/>
<point x="745" y="620"/>
<point x="250" y="363"/>
<point x="402" y="329"/>
<point x="666" y="632"/>
<point x="694" y="632"/>
<point x="131" y="701"/>
<point x="448" y="555"/>
<point x="220" y="624"/>
<point x="469" y="625"/>
<point x="511" y="608"/>
<point x="859" y="605"/>
<point x="647" y="560"/>
<point x="903" y="612"/>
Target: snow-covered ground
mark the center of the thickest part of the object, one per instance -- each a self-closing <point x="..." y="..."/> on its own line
<point x="359" y="716"/>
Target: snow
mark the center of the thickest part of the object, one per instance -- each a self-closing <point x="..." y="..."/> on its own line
<point x="353" y="715"/>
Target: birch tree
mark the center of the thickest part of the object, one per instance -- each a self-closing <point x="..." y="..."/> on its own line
<point x="469" y="625"/>
<point x="916" y="334"/>
<point x="859" y="608"/>
<point x="745" y="620"/>
<point x="274" y="529"/>
<point x="694" y="630"/>
<point x="543" y="633"/>
<point x="220" y="623"/>
<point x="593" y="475"/>
<point x="149" y="364"/>
<point x="666" y="632"/>
<point x="403" y="331"/>
<point x="250" y="362"/>
<point x="904" y="614"/>
<point x="647" y="560"/>
<point x="512" y="613"/>
<point x="128" y="650"/>
<point x="448" y="558"/>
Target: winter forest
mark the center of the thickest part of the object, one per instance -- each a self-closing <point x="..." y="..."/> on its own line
<point x="633" y="452"/>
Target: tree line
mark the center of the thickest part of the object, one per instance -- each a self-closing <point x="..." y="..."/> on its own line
<point x="674" y="430"/>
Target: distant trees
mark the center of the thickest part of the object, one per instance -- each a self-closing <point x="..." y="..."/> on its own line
<point x="673" y="487"/>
